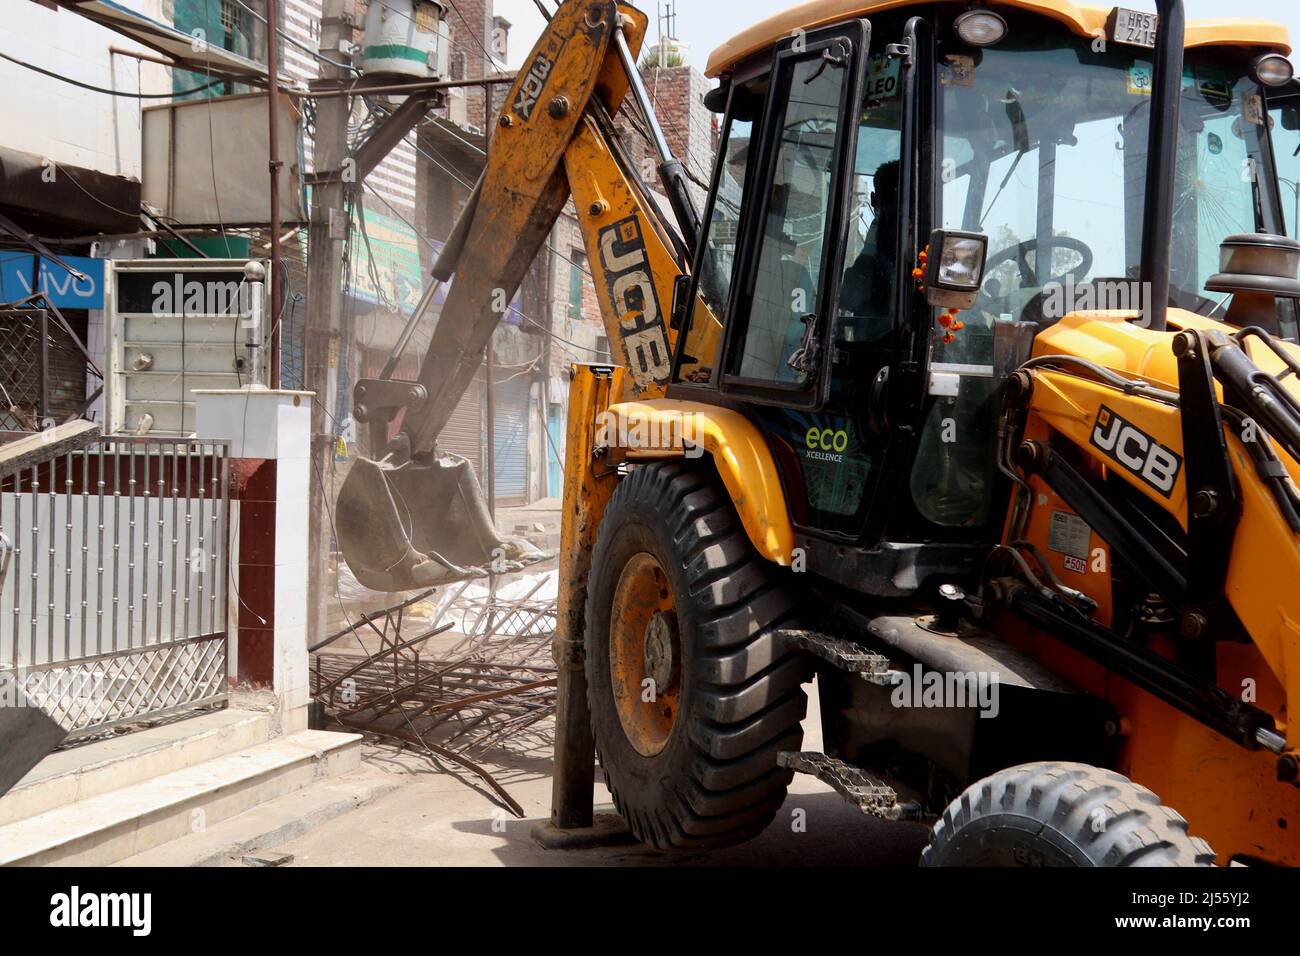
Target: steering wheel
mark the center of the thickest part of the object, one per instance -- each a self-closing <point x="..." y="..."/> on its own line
<point x="998" y="304"/>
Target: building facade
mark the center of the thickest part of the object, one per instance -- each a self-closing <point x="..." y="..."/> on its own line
<point x="513" y="431"/>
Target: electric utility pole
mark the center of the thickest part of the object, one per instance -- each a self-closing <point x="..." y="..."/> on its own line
<point x="273" y="150"/>
<point x="326" y="237"/>
<point x="667" y="11"/>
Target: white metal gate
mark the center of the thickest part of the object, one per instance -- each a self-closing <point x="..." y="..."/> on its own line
<point x="113" y="570"/>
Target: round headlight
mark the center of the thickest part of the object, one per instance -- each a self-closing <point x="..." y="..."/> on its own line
<point x="1273" y="69"/>
<point x="980" y="28"/>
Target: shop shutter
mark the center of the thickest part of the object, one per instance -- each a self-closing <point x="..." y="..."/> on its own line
<point x="511" y="440"/>
<point x="463" y="433"/>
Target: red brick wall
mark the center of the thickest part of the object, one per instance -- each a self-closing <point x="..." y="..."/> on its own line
<point x="471" y="23"/>
<point x="677" y="94"/>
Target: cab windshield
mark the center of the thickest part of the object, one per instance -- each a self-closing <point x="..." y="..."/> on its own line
<point x="1045" y="151"/>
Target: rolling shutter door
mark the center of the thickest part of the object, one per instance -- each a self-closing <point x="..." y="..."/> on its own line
<point x="463" y="433"/>
<point x="511" y="440"/>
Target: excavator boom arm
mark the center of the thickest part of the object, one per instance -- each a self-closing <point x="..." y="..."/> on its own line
<point x="550" y="143"/>
<point x="415" y="517"/>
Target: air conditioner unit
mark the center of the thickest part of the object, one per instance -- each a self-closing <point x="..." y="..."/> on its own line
<point x="205" y="161"/>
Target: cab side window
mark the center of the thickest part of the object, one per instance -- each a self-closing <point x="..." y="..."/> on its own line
<point x="718" y="257"/>
<point x="866" y="307"/>
<point x="785" y="283"/>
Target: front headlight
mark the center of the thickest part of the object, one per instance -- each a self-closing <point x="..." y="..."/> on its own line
<point x="955" y="268"/>
<point x="980" y="28"/>
<point x="1273" y="69"/>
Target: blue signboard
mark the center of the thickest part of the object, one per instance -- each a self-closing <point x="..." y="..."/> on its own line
<point x="66" y="291"/>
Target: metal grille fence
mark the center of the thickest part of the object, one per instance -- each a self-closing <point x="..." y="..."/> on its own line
<point x="113" y="569"/>
<point x="42" y="371"/>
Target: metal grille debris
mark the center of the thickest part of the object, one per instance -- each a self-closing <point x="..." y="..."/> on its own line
<point x="495" y="684"/>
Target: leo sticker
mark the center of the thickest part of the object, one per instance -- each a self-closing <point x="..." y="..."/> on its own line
<point x="885" y="78"/>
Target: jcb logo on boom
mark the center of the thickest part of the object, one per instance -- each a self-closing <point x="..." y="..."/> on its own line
<point x="531" y="90"/>
<point x="636" y="303"/>
<point x="1137" y="451"/>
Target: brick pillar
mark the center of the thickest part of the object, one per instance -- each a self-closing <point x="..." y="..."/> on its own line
<point x="270" y="436"/>
<point x="471" y="24"/>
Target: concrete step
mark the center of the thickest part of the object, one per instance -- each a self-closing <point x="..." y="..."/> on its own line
<point x="122" y="823"/>
<point x="80" y="773"/>
<point x="270" y="824"/>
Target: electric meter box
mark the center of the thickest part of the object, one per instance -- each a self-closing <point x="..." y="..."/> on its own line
<point x="173" y="326"/>
<point x="406" y="38"/>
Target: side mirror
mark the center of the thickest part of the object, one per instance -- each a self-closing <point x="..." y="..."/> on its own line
<point x="954" y="270"/>
<point x="715" y="101"/>
<point x="681" y="302"/>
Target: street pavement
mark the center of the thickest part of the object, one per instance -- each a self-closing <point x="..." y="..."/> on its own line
<point x="448" y="817"/>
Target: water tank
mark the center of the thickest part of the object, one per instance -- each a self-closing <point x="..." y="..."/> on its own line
<point x="404" y="38"/>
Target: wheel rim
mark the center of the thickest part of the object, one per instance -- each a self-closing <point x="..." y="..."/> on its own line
<point x="645" y="655"/>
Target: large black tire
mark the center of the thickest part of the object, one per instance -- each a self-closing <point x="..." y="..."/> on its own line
<point x="1062" y="814"/>
<point x="715" y="782"/>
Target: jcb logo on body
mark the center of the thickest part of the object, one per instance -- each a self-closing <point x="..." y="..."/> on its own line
<point x="1137" y="451"/>
<point x="531" y="90"/>
<point x="635" y="301"/>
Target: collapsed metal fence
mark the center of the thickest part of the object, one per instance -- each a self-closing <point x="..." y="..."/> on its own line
<point x="113" y="570"/>
<point x="495" y="683"/>
<point x="43" y="370"/>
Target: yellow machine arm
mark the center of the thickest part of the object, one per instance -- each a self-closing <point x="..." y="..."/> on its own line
<point x="415" y="518"/>
<point x="549" y="145"/>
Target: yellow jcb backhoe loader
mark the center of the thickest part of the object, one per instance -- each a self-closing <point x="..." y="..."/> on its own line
<point x="972" y="389"/>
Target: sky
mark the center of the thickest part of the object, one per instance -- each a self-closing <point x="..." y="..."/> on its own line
<point x="707" y="24"/>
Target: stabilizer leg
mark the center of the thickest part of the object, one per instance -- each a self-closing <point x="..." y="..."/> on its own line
<point x="574" y="824"/>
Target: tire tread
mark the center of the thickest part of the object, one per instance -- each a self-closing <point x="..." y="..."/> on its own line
<point x="747" y="688"/>
<point x="1139" y="831"/>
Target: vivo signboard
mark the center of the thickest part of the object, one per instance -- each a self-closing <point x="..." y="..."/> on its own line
<point x="19" y="279"/>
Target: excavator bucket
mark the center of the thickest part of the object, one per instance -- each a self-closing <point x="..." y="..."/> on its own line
<point x="418" y="525"/>
<point x="406" y="525"/>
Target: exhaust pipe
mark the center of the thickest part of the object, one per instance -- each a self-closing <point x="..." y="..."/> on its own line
<point x="1162" y="162"/>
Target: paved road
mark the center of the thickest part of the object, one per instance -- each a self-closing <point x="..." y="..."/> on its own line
<point x="450" y="819"/>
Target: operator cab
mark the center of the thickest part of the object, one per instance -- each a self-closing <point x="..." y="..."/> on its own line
<point x="846" y="151"/>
